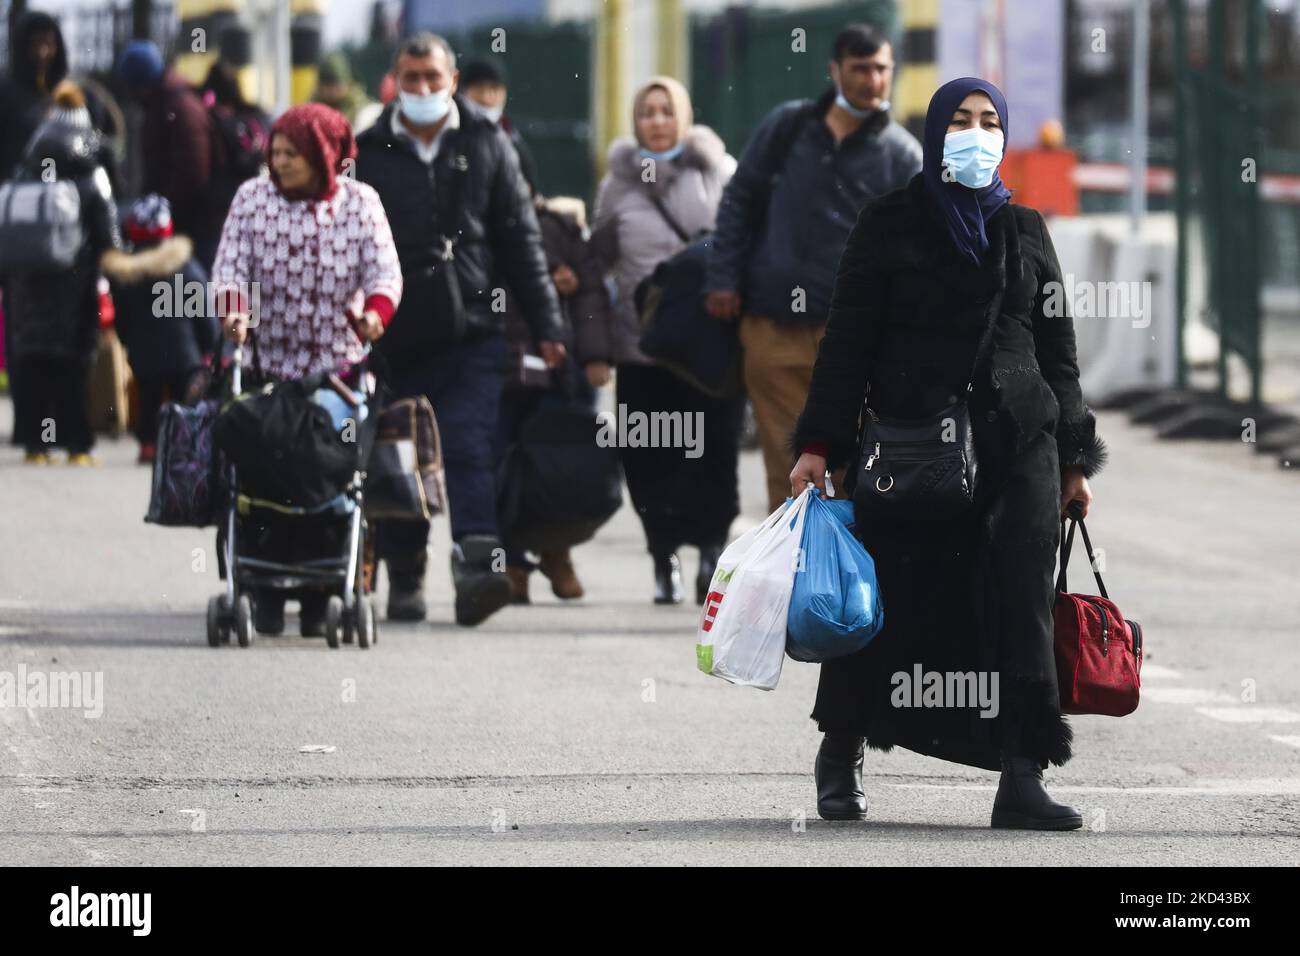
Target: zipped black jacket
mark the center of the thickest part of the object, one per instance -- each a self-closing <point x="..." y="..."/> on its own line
<point x="497" y="233"/>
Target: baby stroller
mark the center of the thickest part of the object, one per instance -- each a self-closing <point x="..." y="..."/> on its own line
<point x="293" y="523"/>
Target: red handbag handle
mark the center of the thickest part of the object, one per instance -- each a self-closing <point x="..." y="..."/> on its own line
<point x="1067" y="542"/>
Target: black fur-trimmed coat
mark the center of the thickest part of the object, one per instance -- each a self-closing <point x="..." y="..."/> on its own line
<point x="974" y="596"/>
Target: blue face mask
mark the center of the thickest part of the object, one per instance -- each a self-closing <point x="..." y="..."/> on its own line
<point x="667" y="154"/>
<point x="427" y="109"/>
<point x="852" y="110"/>
<point x="973" y="155"/>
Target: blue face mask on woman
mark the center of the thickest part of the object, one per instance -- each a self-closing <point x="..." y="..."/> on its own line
<point x="973" y="155"/>
<point x="664" y="155"/>
<point x="424" y="109"/>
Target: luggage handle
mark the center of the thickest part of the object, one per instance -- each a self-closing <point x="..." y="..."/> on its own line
<point x="1067" y="542"/>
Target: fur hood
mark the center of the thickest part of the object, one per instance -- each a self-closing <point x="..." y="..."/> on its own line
<point x="702" y="149"/>
<point x="570" y="206"/>
<point x="157" y="262"/>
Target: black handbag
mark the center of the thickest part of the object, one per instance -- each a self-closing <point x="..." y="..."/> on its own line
<point x="557" y="484"/>
<point x="676" y="330"/>
<point x="921" y="469"/>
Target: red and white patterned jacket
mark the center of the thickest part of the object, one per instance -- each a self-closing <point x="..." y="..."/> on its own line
<point x="302" y="267"/>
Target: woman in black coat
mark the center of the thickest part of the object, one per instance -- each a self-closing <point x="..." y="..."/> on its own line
<point x="924" y="271"/>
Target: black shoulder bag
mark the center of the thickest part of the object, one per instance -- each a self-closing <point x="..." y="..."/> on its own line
<point x="676" y="331"/>
<point x="432" y="314"/>
<point x="921" y="469"/>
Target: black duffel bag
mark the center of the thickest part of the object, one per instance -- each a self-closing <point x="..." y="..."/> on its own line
<point x="285" y="446"/>
<point x="676" y="330"/>
<point x="556" y="485"/>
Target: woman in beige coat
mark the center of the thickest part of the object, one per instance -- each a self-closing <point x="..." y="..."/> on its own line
<point x="683" y="495"/>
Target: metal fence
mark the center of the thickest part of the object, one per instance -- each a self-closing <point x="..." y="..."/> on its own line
<point x="550" y="107"/>
<point x="96" y="34"/>
<point x="745" y="61"/>
<point x="1236" y="125"/>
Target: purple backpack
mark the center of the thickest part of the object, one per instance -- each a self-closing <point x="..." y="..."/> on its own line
<point x="186" y="476"/>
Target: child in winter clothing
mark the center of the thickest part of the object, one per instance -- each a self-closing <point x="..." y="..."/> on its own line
<point x="163" y="312"/>
<point x="584" y="301"/>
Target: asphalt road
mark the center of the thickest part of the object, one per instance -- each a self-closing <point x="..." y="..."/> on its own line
<point x="582" y="733"/>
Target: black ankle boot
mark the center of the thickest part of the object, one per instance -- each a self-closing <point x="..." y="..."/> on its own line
<point x="1023" y="803"/>
<point x="704" y="577"/>
<point x="481" y="583"/>
<point x="839" y="778"/>
<point x="311" y="615"/>
<point x="406" y="586"/>
<point x="268" y="612"/>
<point x="668" y="579"/>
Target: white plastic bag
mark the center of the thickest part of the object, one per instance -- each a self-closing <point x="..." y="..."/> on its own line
<point x="741" y="637"/>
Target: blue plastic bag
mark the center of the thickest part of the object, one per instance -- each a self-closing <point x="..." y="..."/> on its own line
<point x="835" y="609"/>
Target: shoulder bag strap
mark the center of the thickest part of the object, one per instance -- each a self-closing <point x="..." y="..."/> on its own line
<point x="682" y="234"/>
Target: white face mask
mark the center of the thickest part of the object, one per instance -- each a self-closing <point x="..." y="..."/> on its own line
<point x="493" y="113"/>
<point x="973" y="155"/>
<point x="426" y="109"/>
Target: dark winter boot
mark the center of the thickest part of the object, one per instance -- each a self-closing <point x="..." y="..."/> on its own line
<point x="704" y="577"/>
<point x="311" y="615"/>
<point x="668" y="579"/>
<point x="406" y="586"/>
<point x="481" y="590"/>
<point x="268" y="612"/>
<point x="839" y="778"/>
<point x="1022" y="802"/>
<point x="558" y="568"/>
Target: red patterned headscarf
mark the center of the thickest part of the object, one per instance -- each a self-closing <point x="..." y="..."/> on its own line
<point x="324" y="138"/>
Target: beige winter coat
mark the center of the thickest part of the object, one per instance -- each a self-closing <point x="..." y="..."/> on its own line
<point x="632" y="237"/>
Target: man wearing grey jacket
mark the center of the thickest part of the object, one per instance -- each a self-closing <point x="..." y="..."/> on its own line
<point x="785" y="217"/>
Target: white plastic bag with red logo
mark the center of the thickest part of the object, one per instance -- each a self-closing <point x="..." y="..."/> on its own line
<point x="741" y="637"/>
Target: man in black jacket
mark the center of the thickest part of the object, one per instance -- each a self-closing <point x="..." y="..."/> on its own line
<point x="461" y="214"/>
<point x="785" y="217"/>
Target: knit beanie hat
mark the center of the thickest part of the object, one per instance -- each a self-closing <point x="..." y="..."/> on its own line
<point x="141" y="64"/>
<point x="149" y="219"/>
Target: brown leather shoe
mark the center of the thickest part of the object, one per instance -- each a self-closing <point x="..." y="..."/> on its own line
<point x="558" y="567"/>
<point x="518" y="584"/>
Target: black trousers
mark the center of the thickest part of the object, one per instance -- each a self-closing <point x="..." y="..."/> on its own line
<point x="463" y="384"/>
<point x="52" y="398"/>
<point x="152" y="388"/>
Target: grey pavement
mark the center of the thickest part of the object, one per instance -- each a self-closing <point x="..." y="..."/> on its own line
<point x="582" y="733"/>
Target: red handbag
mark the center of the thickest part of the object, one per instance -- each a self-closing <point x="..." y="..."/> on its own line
<point x="1098" y="651"/>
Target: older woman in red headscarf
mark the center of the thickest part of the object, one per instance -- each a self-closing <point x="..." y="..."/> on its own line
<point x="306" y="254"/>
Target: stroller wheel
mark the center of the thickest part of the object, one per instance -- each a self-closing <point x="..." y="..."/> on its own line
<point x="350" y="623"/>
<point x="334" y="621"/>
<point x="244" y="620"/>
<point x="367" y="623"/>
<point x="218" y="626"/>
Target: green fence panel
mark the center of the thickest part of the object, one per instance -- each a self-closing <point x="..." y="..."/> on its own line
<point x="548" y="67"/>
<point x="743" y="61"/>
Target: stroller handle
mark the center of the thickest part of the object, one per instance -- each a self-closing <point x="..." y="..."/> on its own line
<point x="237" y="366"/>
<point x="237" y="370"/>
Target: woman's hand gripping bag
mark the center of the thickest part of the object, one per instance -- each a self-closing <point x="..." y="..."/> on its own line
<point x="835" y="607"/>
<point x="741" y="637"/>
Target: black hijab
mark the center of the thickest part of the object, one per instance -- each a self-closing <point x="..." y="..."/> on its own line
<point x="964" y="209"/>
